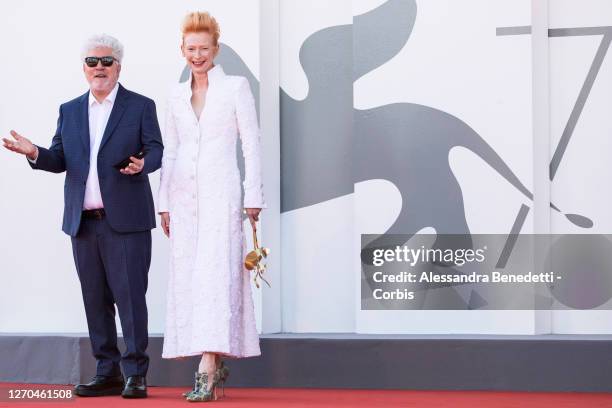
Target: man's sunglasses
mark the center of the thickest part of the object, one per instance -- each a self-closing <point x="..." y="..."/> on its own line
<point x="92" y="62"/>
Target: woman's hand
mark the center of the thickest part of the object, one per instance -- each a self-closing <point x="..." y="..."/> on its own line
<point x="165" y="222"/>
<point x="253" y="214"/>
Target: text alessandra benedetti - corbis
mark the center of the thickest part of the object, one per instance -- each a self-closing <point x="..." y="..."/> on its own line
<point x="492" y="277"/>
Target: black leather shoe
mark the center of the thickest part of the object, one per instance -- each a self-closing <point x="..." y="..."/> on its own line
<point x="99" y="386"/>
<point x="135" y="387"/>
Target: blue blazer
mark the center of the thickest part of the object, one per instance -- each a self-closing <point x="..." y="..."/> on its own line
<point x="132" y="126"/>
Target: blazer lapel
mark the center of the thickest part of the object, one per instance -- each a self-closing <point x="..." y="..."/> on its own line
<point x="115" y="116"/>
<point x="84" y="122"/>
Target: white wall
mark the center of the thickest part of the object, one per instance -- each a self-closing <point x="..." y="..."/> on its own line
<point x="454" y="62"/>
<point x="317" y="284"/>
<point x="582" y="183"/>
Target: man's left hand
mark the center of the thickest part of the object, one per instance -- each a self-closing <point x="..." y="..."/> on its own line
<point x="134" y="167"/>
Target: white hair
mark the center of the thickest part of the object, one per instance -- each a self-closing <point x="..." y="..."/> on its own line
<point x="103" y="40"/>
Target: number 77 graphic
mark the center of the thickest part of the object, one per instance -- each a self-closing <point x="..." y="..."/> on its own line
<point x="570" y="126"/>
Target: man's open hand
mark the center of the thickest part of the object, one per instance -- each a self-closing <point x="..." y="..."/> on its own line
<point x="20" y="145"/>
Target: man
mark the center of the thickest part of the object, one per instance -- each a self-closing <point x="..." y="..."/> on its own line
<point x="108" y="212"/>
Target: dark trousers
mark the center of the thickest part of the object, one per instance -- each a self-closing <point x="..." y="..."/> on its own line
<point x="113" y="269"/>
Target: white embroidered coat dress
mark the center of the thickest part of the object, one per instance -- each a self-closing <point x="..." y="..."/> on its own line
<point x="209" y="304"/>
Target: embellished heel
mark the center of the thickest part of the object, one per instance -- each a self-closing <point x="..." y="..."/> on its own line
<point x="223" y="372"/>
<point x="201" y="393"/>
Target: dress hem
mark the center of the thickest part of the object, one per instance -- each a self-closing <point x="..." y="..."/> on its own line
<point x="199" y="353"/>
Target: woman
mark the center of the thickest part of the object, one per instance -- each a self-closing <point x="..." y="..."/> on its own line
<point x="209" y="305"/>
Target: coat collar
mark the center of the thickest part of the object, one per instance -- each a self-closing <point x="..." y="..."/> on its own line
<point x="215" y="74"/>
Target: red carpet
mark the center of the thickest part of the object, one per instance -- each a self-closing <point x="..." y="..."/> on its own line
<point x="301" y="397"/>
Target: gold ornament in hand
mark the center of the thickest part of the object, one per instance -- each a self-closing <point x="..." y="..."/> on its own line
<point x="253" y="261"/>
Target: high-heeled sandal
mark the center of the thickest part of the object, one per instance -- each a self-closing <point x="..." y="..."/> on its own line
<point x="223" y="372"/>
<point x="202" y="393"/>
